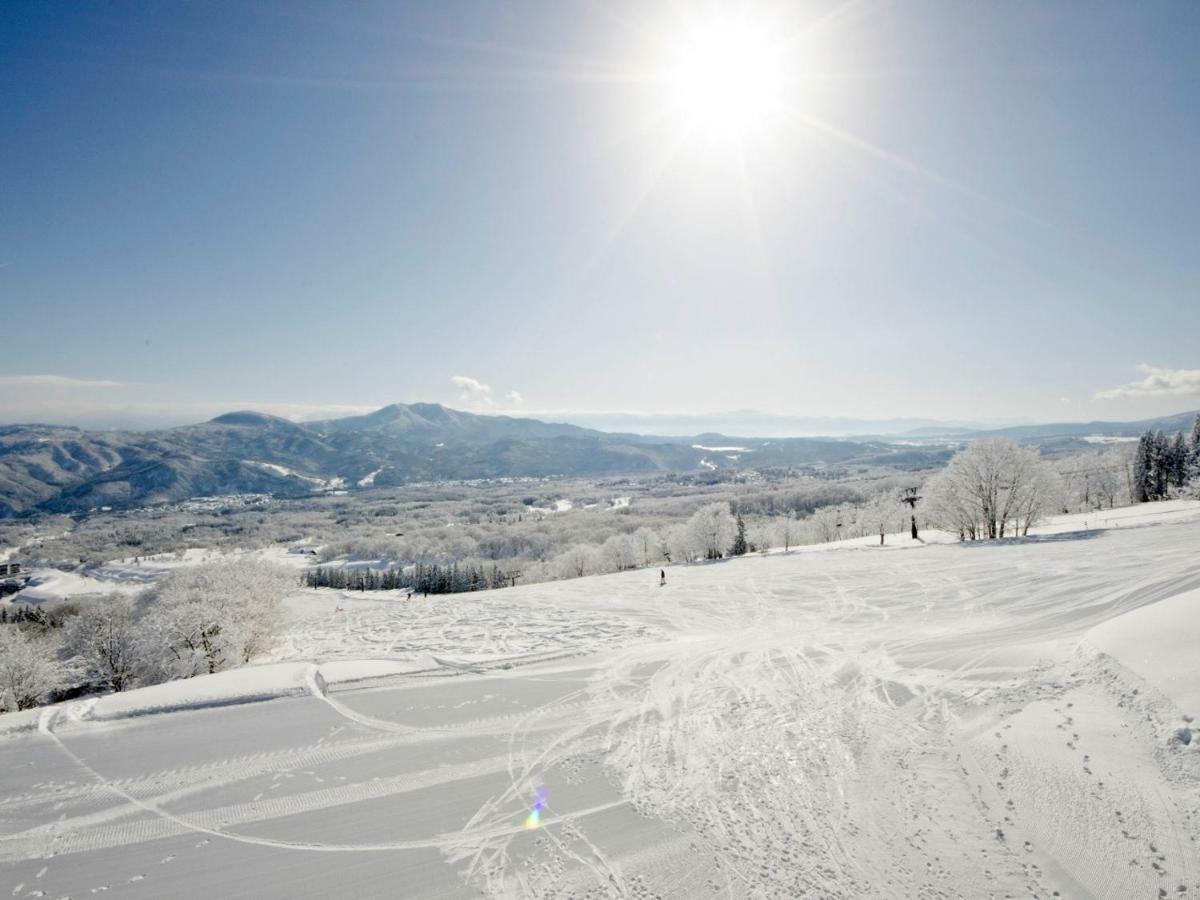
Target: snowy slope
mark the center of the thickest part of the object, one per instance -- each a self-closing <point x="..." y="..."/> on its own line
<point x="935" y="720"/>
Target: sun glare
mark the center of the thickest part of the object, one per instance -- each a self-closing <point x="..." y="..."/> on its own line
<point x="725" y="79"/>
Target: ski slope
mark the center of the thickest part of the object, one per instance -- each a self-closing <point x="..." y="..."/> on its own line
<point x="930" y="720"/>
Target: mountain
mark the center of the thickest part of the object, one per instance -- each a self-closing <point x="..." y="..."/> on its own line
<point x="62" y="469"/>
<point x="765" y="424"/>
<point x="1077" y="430"/>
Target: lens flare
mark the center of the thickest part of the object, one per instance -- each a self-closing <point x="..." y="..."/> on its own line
<point x="534" y="819"/>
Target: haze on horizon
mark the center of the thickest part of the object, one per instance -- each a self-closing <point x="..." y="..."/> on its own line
<point x="960" y="212"/>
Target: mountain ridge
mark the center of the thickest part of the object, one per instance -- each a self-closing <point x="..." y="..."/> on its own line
<point x="52" y="468"/>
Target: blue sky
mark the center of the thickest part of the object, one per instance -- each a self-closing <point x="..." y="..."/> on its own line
<point x="964" y="211"/>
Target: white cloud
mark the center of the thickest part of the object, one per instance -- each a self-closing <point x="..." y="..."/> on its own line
<point x="1159" y="382"/>
<point x="472" y="391"/>
<point x="514" y="397"/>
<point x="61" y="381"/>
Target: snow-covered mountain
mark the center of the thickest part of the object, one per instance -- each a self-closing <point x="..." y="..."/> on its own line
<point x="63" y="469"/>
<point x="68" y="469"/>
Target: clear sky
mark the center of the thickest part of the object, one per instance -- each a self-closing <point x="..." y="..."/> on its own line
<point x="943" y="209"/>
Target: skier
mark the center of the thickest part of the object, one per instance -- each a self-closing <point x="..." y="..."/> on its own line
<point x="662" y="577"/>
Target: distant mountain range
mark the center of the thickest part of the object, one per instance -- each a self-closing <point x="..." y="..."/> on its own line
<point x="62" y="469"/>
<point x="767" y="425"/>
<point x="1061" y="432"/>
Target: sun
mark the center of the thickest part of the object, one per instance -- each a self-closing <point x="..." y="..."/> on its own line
<point x="725" y="79"/>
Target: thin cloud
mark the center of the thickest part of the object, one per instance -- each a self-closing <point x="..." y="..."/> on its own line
<point x="514" y="397"/>
<point x="62" y="381"/>
<point x="1158" y="382"/>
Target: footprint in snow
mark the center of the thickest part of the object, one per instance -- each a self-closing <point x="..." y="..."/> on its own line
<point x="166" y="859"/>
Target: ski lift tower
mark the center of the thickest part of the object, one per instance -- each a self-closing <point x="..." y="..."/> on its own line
<point x="911" y="497"/>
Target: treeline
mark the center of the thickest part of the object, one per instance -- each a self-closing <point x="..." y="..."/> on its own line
<point x="1163" y="463"/>
<point x="346" y="579"/>
<point x="422" y="578"/>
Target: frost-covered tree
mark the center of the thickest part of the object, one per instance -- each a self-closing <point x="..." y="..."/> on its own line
<point x="577" y="561"/>
<point x="712" y="529"/>
<point x="681" y="543"/>
<point x="825" y="524"/>
<point x="618" y="553"/>
<point x="881" y="515"/>
<point x="210" y="618"/>
<point x="993" y="488"/>
<point x="29" y="668"/>
<point x="786" y="532"/>
<point x="950" y="508"/>
<point x="648" y="545"/>
<point x="107" y="642"/>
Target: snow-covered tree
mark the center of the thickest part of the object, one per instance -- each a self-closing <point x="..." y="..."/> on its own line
<point x="787" y="532"/>
<point x="619" y="553"/>
<point x="29" y="668"/>
<point x="107" y="642"/>
<point x="648" y="545"/>
<point x="740" y="546"/>
<point x="712" y="528"/>
<point x="1161" y="456"/>
<point x="576" y="561"/>
<point x="950" y="508"/>
<point x="825" y="523"/>
<point x="1194" y="462"/>
<point x="681" y="543"/>
<point x="993" y="488"/>
<point x="881" y="515"/>
<point x="1143" y="469"/>
<point x="210" y="618"/>
<point x="1177" y="461"/>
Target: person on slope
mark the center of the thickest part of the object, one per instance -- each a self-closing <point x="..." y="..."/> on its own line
<point x="662" y="577"/>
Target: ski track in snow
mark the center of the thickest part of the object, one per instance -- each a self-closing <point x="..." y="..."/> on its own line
<point x="928" y="723"/>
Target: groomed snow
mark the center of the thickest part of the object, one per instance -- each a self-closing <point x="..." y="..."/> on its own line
<point x="930" y="720"/>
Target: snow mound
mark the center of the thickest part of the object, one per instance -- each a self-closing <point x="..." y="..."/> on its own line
<point x="1159" y="642"/>
<point x="248" y="685"/>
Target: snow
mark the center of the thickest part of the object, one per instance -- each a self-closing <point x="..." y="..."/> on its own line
<point x="1161" y="643"/>
<point x="929" y="719"/>
<point x="1110" y="439"/>
<point x="369" y="479"/>
<point x="134" y="574"/>
<point x="722" y="449"/>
